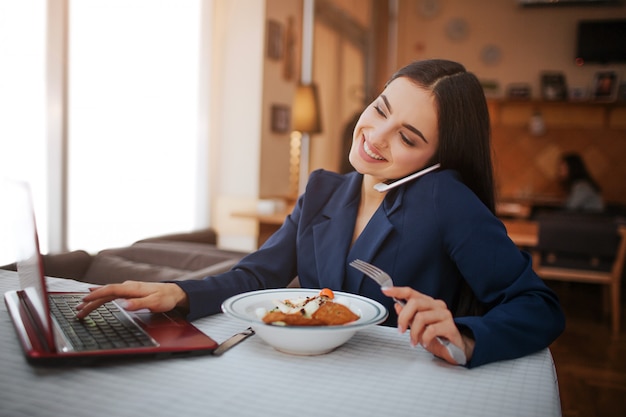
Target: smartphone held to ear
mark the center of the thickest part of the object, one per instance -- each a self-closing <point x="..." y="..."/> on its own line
<point x="382" y="187"/>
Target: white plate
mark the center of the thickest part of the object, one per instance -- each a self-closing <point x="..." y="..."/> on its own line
<point x="302" y="340"/>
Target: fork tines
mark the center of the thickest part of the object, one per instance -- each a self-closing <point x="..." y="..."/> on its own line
<point x="371" y="271"/>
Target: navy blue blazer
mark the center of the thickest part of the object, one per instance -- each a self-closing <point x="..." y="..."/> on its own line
<point x="432" y="234"/>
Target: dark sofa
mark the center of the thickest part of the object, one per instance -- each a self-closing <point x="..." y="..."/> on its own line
<point x="192" y="255"/>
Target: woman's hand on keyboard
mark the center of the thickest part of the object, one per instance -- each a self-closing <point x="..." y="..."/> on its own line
<point x="134" y="295"/>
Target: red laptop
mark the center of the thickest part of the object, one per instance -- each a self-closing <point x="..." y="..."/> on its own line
<point x="49" y="332"/>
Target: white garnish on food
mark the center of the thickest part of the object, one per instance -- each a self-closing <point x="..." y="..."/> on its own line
<point x="302" y="304"/>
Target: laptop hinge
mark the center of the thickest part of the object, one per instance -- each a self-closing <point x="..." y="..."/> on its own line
<point x="34" y="319"/>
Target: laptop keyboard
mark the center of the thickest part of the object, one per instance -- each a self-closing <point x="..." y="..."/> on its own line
<point x="104" y="328"/>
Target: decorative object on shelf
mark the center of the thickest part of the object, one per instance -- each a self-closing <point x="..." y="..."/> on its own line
<point x="280" y="118"/>
<point x="275" y="47"/>
<point x="553" y="86"/>
<point x="306" y="120"/>
<point x="491" y="88"/>
<point x="518" y="91"/>
<point x="491" y="54"/>
<point x="605" y="84"/>
<point x="457" y="29"/>
<point x="536" y="125"/>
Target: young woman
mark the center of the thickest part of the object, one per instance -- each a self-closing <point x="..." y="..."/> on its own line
<point x="583" y="192"/>
<point x="437" y="236"/>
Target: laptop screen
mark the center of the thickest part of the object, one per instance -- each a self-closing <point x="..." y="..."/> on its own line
<point x="29" y="263"/>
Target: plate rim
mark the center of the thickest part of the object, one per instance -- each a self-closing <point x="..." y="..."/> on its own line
<point x="379" y="317"/>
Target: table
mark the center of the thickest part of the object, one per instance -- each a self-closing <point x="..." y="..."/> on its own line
<point x="524" y="233"/>
<point x="523" y="207"/>
<point x="376" y="373"/>
<point x="268" y="223"/>
<point x="513" y="209"/>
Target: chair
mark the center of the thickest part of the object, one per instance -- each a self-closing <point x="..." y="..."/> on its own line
<point x="583" y="248"/>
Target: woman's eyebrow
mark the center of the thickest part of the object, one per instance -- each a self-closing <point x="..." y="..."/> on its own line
<point x="411" y="128"/>
<point x="384" y="97"/>
<point x="416" y="131"/>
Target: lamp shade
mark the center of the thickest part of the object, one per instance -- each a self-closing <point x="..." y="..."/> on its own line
<point x="306" y="110"/>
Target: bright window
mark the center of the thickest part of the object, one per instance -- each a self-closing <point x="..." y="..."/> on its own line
<point x="133" y="116"/>
<point x="22" y="109"/>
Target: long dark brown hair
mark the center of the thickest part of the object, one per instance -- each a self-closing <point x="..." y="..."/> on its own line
<point x="464" y="139"/>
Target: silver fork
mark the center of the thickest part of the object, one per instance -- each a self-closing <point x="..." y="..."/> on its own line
<point x="381" y="277"/>
<point x="384" y="280"/>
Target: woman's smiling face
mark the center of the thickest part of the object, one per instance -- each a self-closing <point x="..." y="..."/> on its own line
<point x="397" y="134"/>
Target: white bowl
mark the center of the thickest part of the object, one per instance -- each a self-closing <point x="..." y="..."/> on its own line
<point x="302" y="340"/>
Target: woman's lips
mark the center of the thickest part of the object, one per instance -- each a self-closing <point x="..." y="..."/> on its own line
<point x="369" y="152"/>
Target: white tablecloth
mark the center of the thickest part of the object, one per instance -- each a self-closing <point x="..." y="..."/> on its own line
<point x="377" y="373"/>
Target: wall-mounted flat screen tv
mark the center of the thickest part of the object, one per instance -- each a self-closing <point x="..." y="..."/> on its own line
<point x="601" y="41"/>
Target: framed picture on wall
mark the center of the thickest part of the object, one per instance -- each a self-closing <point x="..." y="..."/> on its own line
<point x="281" y="118"/>
<point x="518" y="91"/>
<point x="605" y="86"/>
<point x="553" y="86"/>
<point x="275" y="41"/>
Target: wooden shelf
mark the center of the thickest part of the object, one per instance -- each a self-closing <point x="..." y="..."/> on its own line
<point x="559" y="114"/>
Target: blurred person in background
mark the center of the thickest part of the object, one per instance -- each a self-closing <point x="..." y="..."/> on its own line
<point x="583" y="192"/>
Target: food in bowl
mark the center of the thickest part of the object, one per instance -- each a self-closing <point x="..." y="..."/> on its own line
<point x="318" y="310"/>
<point x="250" y="307"/>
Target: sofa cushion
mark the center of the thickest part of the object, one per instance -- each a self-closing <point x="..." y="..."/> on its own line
<point x="199" y="236"/>
<point x="67" y="265"/>
<point x="109" y="269"/>
<point x="159" y="261"/>
<point x="62" y="265"/>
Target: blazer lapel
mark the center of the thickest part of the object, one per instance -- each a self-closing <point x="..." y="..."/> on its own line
<point x="378" y="228"/>
<point x="332" y="236"/>
<point x="333" y="233"/>
<point x="371" y="240"/>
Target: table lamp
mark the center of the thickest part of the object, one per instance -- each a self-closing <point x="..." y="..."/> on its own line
<point x="306" y="120"/>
